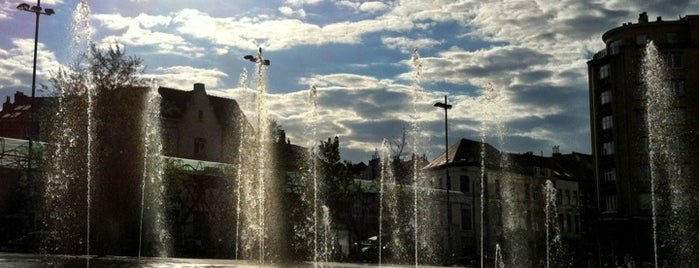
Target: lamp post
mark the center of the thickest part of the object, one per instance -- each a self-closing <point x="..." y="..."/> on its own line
<point x="262" y="124"/>
<point x="38" y="11"/>
<point x="446" y="107"/>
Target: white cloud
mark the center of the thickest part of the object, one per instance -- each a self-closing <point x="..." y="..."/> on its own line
<point x="183" y="77"/>
<point x="373" y="7"/>
<point x="354" y="6"/>
<point x="302" y="2"/>
<point x="290" y="12"/>
<point x="16" y="67"/>
<point x="278" y="34"/>
<point x="142" y="30"/>
<point x="407" y="45"/>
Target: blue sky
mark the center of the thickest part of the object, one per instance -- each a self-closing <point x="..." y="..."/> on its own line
<point x="358" y="54"/>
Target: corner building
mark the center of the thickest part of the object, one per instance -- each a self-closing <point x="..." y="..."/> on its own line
<point x="620" y="143"/>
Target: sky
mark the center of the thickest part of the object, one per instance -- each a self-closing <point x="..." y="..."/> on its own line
<point x="514" y="71"/>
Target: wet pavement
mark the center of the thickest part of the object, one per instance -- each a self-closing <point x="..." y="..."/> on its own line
<point x="18" y="260"/>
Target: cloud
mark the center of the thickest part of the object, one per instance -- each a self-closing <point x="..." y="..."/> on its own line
<point x="406" y="44"/>
<point x="290" y="12"/>
<point x="16" y="67"/>
<point x="146" y="31"/>
<point x="183" y="77"/>
<point x="373" y="7"/>
<point x="302" y="2"/>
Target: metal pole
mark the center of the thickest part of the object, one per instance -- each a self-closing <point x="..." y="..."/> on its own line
<point x="32" y="101"/>
<point x="446" y="164"/>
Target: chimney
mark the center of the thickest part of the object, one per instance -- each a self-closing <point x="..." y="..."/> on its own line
<point x="643" y="18"/>
<point x="556" y="150"/>
<point x="659" y="18"/>
<point x="199" y="87"/>
<point x="6" y="105"/>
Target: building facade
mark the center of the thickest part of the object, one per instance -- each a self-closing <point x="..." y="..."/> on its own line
<point x="497" y="201"/>
<point x="620" y="139"/>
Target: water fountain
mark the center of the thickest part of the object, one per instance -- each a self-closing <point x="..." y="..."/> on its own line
<point x="499" y="263"/>
<point x="153" y="187"/>
<point x="83" y="150"/>
<point x="672" y="193"/>
<point x="553" y="233"/>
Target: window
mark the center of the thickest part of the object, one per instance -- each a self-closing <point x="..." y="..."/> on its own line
<point x="497" y="188"/>
<point x="465" y="184"/>
<point x="607" y="122"/>
<point x="200" y="146"/>
<point x="641" y="39"/>
<point x="677" y="86"/>
<point x="673" y="60"/>
<point x="636" y="65"/>
<point x="610" y="202"/>
<point x="527" y="191"/>
<point x="567" y="196"/>
<point x="609" y="175"/>
<point x="671" y="38"/>
<point x="608" y="148"/>
<point x="643" y="144"/>
<point x="642" y="119"/>
<point x="466" y="224"/>
<point x="559" y="199"/>
<point x="615" y="46"/>
<point x="605" y="97"/>
<point x="604" y="71"/>
<point x="678" y="115"/>
<point x="645" y="172"/>
<point x="575" y="198"/>
<point x="564" y="223"/>
<point x="639" y="92"/>
<point x="644" y="201"/>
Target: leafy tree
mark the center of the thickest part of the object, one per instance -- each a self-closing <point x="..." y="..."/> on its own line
<point x="338" y="185"/>
<point x="102" y="91"/>
<point x="112" y="68"/>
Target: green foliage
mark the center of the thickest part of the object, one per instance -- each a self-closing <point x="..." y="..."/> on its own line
<point x="337" y="182"/>
<point x="107" y="68"/>
<point x="112" y="68"/>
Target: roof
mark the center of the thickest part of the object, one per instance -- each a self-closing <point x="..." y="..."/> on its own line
<point x="467" y="152"/>
<point x="566" y="167"/>
<point x="175" y="103"/>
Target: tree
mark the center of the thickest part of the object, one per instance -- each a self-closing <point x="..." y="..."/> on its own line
<point x="102" y="91"/>
<point x="100" y="69"/>
<point x="112" y="68"/>
<point x="338" y="185"/>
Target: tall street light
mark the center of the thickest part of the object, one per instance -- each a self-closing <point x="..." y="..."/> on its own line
<point x="446" y="107"/>
<point x="260" y="61"/>
<point x="38" y="11"/>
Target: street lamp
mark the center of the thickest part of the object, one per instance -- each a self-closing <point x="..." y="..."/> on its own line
<point x="260" y="61"/>
<point x="446" y="107"/>
<point x="38" y="11"/>
<point x="257" y="59"/>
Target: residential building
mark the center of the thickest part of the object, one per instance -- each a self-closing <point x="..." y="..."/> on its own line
<point x="17" y="116"/>
<point x="620" y="140"/>
<point x="512" y="198"/>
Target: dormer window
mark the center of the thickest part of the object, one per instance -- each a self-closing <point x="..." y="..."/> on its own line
<point x="200" y="147"/>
